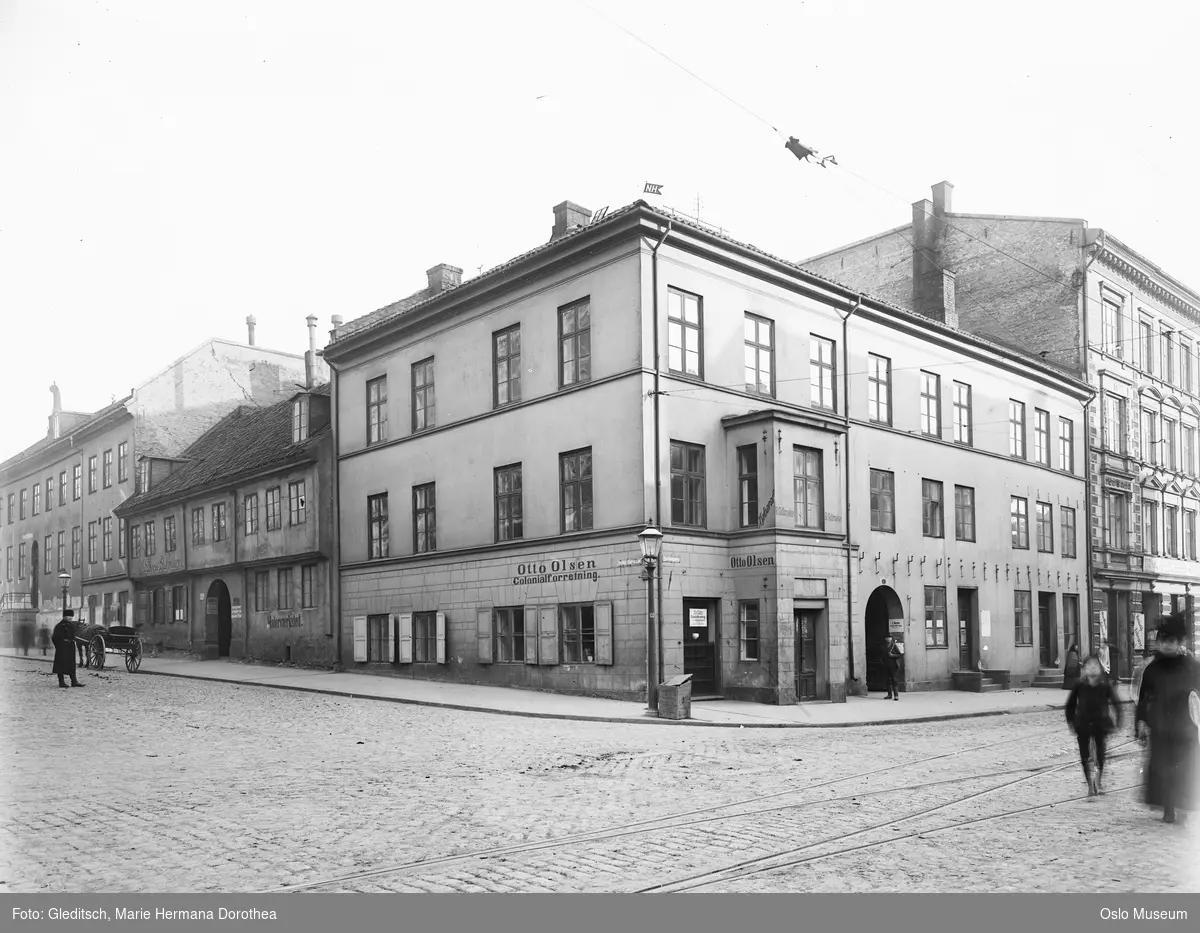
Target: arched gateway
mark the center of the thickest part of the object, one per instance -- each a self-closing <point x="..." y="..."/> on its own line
<point x="883" y="606"/>
<point x="218" y="619"/>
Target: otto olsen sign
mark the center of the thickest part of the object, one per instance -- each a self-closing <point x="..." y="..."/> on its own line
<point x="554" y="571"/>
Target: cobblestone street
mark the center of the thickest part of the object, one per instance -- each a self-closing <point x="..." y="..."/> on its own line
<point x="141" y="783"/>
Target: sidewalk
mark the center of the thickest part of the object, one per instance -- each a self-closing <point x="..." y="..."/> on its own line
<point x="929" y="706"/>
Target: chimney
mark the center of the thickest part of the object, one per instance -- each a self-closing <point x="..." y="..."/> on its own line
<point x="250" y="322"/>
<point x="568" y="216"/>
<point x="443" y="277"/>
<point x="336" y="320"/>
<point x="932" y="284"/>
<point x="312" y="332"/>
<point x="57" y="397"/>
<point x="942" y="192"/>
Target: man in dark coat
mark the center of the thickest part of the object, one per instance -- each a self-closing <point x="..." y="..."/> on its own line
<point x="63" y="638"/>
<point x="1165" y="707"/>
<point x="891" y="660"/>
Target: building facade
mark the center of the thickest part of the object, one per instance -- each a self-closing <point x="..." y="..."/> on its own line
<point x="1077" y="296"/>
<point x="57" y="497"/>
<point x="229" y="544"/>
<point x="502" y="441"/>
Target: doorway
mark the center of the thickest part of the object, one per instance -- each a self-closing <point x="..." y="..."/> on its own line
<point x="1047" y="631"/>
<point x="883" y="606"/>
<point x="219" y="617"/>
<point x="1118" y="634"/>
<point x="700" y="645"/>
<point x="807" y="623"/>
<point x="968" y="629"/>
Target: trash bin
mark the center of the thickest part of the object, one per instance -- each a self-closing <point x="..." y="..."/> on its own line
<point x="675" y="698"/>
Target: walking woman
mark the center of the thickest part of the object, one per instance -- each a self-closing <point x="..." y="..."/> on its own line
<point x="1167" y="707"/>
<point x="1071" y="668"/>
<point x="64" y="649"/>
<point x="1088" y="712"/>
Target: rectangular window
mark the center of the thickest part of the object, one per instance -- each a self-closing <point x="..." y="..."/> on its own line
<point x="274" y="509"/>
<point x="510" y="634"/>
<point x="931" y="404"/>
<point x="48" y="554"/>
<point x="377" y="411"/>
<point x="1019" y="515"/>
<point x="688" y="498"/>
<point x="106" y="471"/>
<point x="1022" y="618"/>
<point x="964" y="513"/>
<point x="21" y="561"/>
<point x="1016" y="429"/>
<point x="575" y="472"/>
<point x="378" y="632"/>
<point x="169" y="534"/>
<point x="1045" y="527"/>
<point x="77" y="482"/>
<point x="250" y="513"/>
<point x="1111" y="328"/>
<point x="1070" y="620"/>
<point x="122" y="461"/>
<point x="1115" y="431"/>
<point x="883" y="500"/>
<point x="1189" y="534"/>
<point x="1068" y="532"/>
<point x="11" y="502"/>
<point x="1041" y="437"/>
<point x="105" y="539"/>
<point x="747" y="458"/>
<point x="748" y="629"/>
<point x="262" y="589"/>
<point x="1116" y="508"/>
<point x="808" y="488"/>
<point x="120" y="538"/>
<point x="37" y="498"/>
<point x="1186" y="367"/>
<point x="931" y="509"/>
<point x="422" y="395"/>
<point x="8" y="564"/>
<point x="62" y="491"/>
<point x="1150" y="526"/>
<point x="198" y="527"/>
<point x="179" y="603"/>
<point x="509" y="503"/>
<point x="297" y="503"/>
<point x="575" y="342"/>
<point x="285" y="588"/>
<point x="1150" y="436"/>
<point x="24" y="503"/>
<point x="49" y="493"/>
<point x="1146" y="345"/>
<point x="300" y="411"/>
<point x="506" y="365"/>
<point x="964" y="422"/>
<point x="1169" y="356"/>
<point x="879" y="389"/>
<point x="151" y="545"/>
<point x="92" y="474"/>
<point x="377" y="522"/>
<point x="218" y="521"/>
<point x="1187" y="449"/>
<point x="578" y="634"/>
<point x="1171" y="530"/>
<point x="760" y="355"/>
<point x="136" y="540"/>
<point x="1066" y="445"/>
<point x="685" y="333"/>
<point x="308" y="586"/>
<point x="935" y="617"/>
<point x="424" y="519"/>
<point x="424" y="636"/>
<point x="822" y="370"/>
<point x="62" y="550"/>
<point x="1170" y="452"/>
<point x="76" y="546"/>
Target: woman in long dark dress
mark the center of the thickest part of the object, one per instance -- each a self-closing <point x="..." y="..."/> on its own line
<point x="1165" y="707"/>
<point x="63" y="638"/>
<point x="1072" y="667"/>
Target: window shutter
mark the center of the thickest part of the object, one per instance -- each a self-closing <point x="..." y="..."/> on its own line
<point x="531" y="634"/>
<point x="483" y="633"/>
<point x="441" y="638"/>
<point x="393" y="626"/>
<point x="548" y="634"/>
<point x="406" y="638"/>
<point x="360" y="638"/>
<point x="187" y="591"/>
<point x="604" y="633"/>
<point x="143" y="607"/>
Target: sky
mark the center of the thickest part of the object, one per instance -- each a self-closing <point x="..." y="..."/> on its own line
<point x="167" y="169"/>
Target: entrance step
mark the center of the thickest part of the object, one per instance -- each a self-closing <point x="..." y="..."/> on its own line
<point x="980" y="681"/>
<point x="989" y="687"/>
<point x="1048" y="677"/>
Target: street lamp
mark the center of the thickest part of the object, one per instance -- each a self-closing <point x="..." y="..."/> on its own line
<point x="650" y="541"/>
<point x="65" y="579"/>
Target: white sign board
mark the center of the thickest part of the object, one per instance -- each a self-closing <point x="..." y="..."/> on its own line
<point x="698" y="618"/>
<point x="1139" y="631"/>
<point x="985" y="623"/>
<point x="895" y="625"/>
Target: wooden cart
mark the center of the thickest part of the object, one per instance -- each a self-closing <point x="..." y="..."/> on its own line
<point x="120" y="639"/>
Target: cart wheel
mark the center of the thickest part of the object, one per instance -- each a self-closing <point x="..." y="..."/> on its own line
<point x="97" y="650"/>
<point x="133" y="657"/>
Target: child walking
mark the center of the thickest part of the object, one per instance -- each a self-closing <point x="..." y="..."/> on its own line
<point x="1088" y="712"/>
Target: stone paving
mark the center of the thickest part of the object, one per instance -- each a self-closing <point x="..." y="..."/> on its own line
<point x="139" y="784"/>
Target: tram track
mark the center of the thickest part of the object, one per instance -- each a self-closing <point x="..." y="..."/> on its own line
<point x="706" y="815"/>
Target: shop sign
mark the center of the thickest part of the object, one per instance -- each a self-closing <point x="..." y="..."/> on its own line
<point x="284" y="620"/>
<point x="810" y="589"/>
<point x="163" y="564"/>
<point x="235" y="609"/>
<point x="1139" y="631"/>
<point x="697" y="618"/>
<point x="896" y="626"/>
<point x="554" y="571"/>
<point x="751" y="560"/>
<point x="1115" y="482"/>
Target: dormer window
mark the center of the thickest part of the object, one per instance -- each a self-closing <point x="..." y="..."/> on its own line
<point x="300" y="419"/>
<point x="143" y="475"/>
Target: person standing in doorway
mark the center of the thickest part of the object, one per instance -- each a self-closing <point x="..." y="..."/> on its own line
<point x="1167" y="706"/>
<point x="64" y="649"/>
<point x="1088" y="712"/>
<point x="1072" y="667"/>
<point x="891" y="660"/>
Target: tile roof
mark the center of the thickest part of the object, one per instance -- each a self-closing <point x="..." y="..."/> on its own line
<point x="46" y="442"/>
<point x="248" y="440"/>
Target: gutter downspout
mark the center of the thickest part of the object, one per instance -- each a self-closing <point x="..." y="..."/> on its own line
<point x="846" y="463"/>
<point x="335" y="561"/>
<point x="1087" y="460"/>
<point x="191" y="597"/>
<point x="654" y="646"/>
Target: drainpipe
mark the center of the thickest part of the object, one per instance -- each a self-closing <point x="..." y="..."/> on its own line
<point x="846" y="464"/>
<point x="1087" y="460"/>
<point x="191" y="597"/>
<point x="655" y="645"/>
<point x="335" y="557"/>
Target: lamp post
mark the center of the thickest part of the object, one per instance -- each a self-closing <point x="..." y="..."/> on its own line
<point x="650" y="541"/>
<point x="65" y="579"/>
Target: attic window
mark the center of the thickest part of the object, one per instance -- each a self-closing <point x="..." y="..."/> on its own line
<point x="143" y="476"/>
<point x="300" y="419"/>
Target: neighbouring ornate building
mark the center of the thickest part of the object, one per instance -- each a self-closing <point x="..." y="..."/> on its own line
<point x="825" y="468"/>
<point x="1077" y="296"/>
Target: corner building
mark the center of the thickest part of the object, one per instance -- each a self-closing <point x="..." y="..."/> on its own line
<point x="502" y="441"/>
